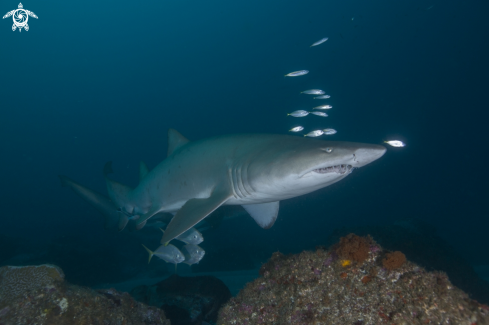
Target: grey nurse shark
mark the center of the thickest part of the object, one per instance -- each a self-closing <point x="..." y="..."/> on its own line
<point x="255" y="171"/>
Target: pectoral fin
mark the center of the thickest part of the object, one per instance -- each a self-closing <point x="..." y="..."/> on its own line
<point x="264" y="214"/>
<point x="192" y="212"/>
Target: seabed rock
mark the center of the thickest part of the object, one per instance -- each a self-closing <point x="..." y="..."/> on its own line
<point x="355" y="282"/>
<point x="39" y="295"/>
<point x="417" y="239"/>
<point x="186" y="300"/>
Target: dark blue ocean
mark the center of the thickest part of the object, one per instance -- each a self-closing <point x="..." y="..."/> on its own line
<point x="97" y="81"/>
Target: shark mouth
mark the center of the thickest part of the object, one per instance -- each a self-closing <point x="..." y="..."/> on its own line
<point x="339" y="169"/>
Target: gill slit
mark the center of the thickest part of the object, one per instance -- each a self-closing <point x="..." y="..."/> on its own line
<point x="234" y="181"/>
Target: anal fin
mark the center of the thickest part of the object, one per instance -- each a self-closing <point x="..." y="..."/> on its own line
<point x="141" y="221"/>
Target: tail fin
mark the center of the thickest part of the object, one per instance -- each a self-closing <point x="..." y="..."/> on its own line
<point x="149" y="252"/>
<point x="113" y="219"/>
<point x="118" y="192"/>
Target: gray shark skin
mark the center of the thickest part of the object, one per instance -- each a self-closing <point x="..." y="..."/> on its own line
<point x="253" y="170"/>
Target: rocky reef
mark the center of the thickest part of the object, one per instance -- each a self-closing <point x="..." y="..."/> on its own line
<point x="355" y="282"/>
<point x="186" y="300"/>
<point x="39" y="295"/>
<point x="418" y="240"/>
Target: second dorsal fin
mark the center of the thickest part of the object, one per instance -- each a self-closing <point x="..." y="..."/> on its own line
<point x="143" y="170"/>
<point x="175" y="141"/>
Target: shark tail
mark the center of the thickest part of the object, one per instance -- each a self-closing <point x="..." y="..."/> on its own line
<point x="149" y="252"/>
<point x="113" y="219"/>
<point x="118" y="193"/>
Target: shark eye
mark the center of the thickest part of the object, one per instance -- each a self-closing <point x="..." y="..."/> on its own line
<point x="328" y="150"/>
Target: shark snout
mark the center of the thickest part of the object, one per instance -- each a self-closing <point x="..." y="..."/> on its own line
<point x="366" y="155"/>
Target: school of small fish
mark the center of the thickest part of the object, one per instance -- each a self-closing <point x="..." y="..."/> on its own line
<point x="322" y="95"/>
<point x="193" y="254"/>
<point x="299" y="113"/>
<point x="297" y="73"/>
<point x="189" y="254"/>
<point x="321" y="41"/>
<point x="314" y="133"/>
<point x="296" y="129"/>
<point x="395" y="143"/>
<point x="168" y="253"/>
<point x="323" y="107"/>
<point x="329" y="131"/>
<point x="323" y="114"/>
<point x="313" y="92"/>
<point x="191" y="236"/>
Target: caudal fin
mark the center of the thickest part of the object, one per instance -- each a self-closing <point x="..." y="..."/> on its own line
<point x="118" y="193"/>
<point x="113" y="219"/>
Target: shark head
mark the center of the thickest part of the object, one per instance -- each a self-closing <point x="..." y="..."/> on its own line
<point x="299" y="167"/>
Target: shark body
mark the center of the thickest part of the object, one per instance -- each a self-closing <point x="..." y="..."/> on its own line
<point x="256" y="171"/>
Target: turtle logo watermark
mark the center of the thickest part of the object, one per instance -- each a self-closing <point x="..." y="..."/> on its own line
<point x="20" y="17"/>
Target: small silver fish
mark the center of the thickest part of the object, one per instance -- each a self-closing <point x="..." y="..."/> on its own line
<point x="193" y="254"/>
<point x="297" y="129"/>
<point x="323" y="97"/>
<point x="329" y="131"/>
<point x="168" y="253"/>
<point x="313" y="92"/>
<point x="191" y="236"/>
<point x="323" y="107"/>
<point x="395" y="143"/>
<point x="320" y="114"/>
<point x="297" y="73"/>
<point x="321" y="41"/>
<point x="299" y="113"/>
<point x="314" y="133"/>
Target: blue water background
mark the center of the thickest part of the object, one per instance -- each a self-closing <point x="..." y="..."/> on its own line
<point x="95" y="81"/>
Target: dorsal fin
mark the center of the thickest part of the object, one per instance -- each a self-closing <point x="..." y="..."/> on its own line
<point x="143" y="170"/>
<point x="175" y="141"/>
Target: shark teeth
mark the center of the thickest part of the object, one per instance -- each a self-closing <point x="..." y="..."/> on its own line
<point x="340" y="169"/>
